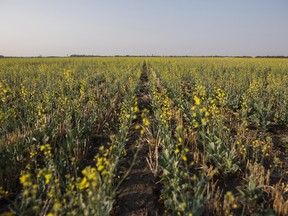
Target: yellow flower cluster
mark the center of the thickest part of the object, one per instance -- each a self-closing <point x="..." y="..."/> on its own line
<point x="145" y="119"/>
<point x="221" y="97"/>
<point x="29" y="188"/>
<point x="46" y="174"/>
<point x="33" y="154"/>
<point x="25" y="180"/>
<point x="103" y="163"/>
<point x="200" y="114"/>
<point x="82" y="88"/>
<point x="180" y="136"/>
<point x="24" y="93"/>
<point x="128" y="113"/>
<point x="46" y="149"/>
<point x="166" y="115"/>
<point x="89" y="179"/>
<point x="48" y="177"/>
<point x="201" y="91"/>
<point x="197" y="100"/>
<point x="255" y="87"/>
<point x="4" y="90"/>
<point x="263" y="146"/>
<point x="163" y="101"/>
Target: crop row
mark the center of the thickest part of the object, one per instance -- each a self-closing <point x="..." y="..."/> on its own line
<point x="216" y="130"/>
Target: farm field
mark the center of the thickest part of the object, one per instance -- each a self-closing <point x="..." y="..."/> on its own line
<point x="143" y="136"/>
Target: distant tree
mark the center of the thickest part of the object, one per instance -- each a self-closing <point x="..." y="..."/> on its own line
<point x="1" y="56"/>
<point x="271" y="57"/>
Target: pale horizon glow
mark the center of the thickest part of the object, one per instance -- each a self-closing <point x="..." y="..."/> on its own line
<point x="134" y="27"/>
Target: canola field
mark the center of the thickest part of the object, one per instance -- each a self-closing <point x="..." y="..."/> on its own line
<point x="209" y="135"/>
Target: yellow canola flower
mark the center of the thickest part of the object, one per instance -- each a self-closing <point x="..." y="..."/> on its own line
<point x="136" y="109"/>
<point x="46" y="147"/>
<point x="48" y="178"/>
<point x="100" y="168"/>
<point x="146" y="121"/>
<point x="90" y="173"/>
<point x="83" y="184"/>
<point x="197" y="100"/>
<point x="204" y="121"/>
<point x="25" y="180"/>
<point x="193" y="108"/>
<point x="32" y="154"/>
<point x="184" y="158"/>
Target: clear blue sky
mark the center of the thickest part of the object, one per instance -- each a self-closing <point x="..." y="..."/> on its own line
<point x="159" y="27"/>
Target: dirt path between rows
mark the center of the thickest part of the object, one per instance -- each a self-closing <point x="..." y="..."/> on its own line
<point x="139" y="193"/>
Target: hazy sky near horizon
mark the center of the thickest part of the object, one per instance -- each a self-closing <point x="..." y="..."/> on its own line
<point x="134" y="27"/>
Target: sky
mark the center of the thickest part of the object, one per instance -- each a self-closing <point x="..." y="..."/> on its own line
<point x="147" y="27"/>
